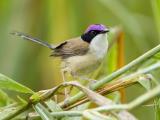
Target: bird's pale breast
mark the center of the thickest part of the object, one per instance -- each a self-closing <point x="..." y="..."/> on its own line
<point x="81" y="65"/>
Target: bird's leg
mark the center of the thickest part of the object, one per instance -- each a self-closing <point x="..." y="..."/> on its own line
<point x="55" y="99"/>
<point x="70" y="90"/>
<point x="63" y="72"/>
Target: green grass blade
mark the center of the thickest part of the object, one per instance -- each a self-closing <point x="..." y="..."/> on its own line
<point x="12" y="110"/>
<point x="43" y="112"/>
<point x="7" y="83"/>
<point x="4" y="99"/>
<point x="93" y="115"/>
<point x="145" y="82"/>
<point x="53" y="106"/>
<point x="157" y="108"/>
<point x="156" y="12"/>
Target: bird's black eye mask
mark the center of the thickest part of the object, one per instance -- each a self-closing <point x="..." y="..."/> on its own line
<point x="90" y="35"/>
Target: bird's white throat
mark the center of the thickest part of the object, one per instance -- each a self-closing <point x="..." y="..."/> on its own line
<point x="99" y="46"/>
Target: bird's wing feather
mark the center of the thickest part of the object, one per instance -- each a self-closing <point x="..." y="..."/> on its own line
<point x="72" y="47"/>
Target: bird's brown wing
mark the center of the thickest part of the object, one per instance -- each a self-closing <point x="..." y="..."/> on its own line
<point x="72" y="47"/>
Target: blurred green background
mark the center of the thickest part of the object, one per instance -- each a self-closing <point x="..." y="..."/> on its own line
<point x="57" y="20"/>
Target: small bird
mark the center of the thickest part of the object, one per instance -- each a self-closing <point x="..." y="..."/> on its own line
<point x="80" y="55"/>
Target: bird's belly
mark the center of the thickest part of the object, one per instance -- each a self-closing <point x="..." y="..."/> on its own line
<point x="81" y="65"/>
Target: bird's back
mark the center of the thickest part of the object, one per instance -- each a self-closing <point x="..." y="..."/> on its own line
<point x="69" y="48"/>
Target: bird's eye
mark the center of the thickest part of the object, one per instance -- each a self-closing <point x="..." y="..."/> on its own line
<point x="94" y="32"/>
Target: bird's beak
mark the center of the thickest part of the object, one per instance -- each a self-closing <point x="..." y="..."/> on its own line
<point x="105" y="31"/>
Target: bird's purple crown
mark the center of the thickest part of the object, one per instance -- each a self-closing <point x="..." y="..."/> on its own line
<point x="98" y="27"/>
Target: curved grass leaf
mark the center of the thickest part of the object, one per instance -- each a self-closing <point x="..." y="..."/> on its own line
<point x="93" y="115"/>
<point x="4" y="99"/>
<point x="156" y="11"/>
<point x="124" y="115"/>
<point x="145" y="82"/>
<point x="157" y="108"/>
<point x="43" y="112"/>
<point x="8" y="111"/>
<point x="53" y="106"/>
<point x="7" y="83"/>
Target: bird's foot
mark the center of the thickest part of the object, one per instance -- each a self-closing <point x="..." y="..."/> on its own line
<point x="66" y="93"/>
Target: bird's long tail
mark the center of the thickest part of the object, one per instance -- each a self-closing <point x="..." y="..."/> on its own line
<point x="36" y="40"/>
